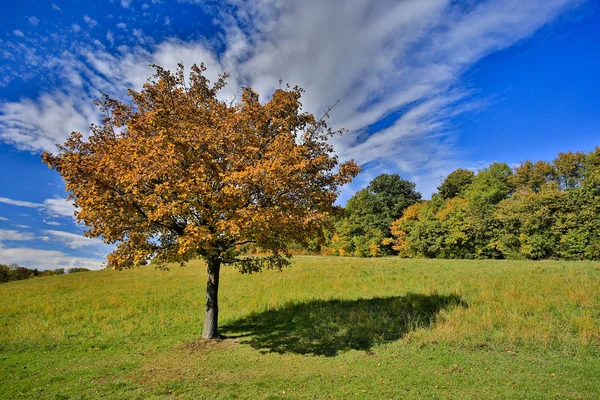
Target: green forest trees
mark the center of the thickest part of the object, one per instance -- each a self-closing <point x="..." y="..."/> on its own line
<point x="456" y="183"/>
<point x="534" y="211"/>
<point x="14" y="272"/>
<point x="364" y="228"/>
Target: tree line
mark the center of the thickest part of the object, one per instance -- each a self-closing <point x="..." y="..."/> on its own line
<point x="14" y="272"/>
<point x="536" y="210"/>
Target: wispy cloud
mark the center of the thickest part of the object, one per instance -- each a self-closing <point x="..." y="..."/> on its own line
<point x="42" y="123"/>
<point x="398" y="61"/>
<point x="33" y="20"/>
<point x="92" y="23"/>
<point x="59" y="207"/>
<point x="20" y="203"/>
<point x="10" y="235"/>
<point x="53" y="207"/>
<point x="71" y="240"/>
<point x="110" y="37"/>
<point x="22" y="226"/>
<point x="46" y="259"/>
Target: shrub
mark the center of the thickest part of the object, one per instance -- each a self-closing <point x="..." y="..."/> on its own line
<point x="78" y="269"/>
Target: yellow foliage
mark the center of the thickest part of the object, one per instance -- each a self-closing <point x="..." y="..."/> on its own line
<point x="449" y="206"/>
<point x="374" y="250"/>
<point x="412" y="213"/>
<point x="180" y="174"/>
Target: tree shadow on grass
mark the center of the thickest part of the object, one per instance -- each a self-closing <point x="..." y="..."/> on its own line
<point x="326" y="327"/>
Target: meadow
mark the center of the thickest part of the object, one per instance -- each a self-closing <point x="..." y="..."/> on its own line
<point x="327" y="327"/>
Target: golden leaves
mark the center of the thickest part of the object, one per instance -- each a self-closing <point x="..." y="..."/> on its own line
<point x="180" y="173"/>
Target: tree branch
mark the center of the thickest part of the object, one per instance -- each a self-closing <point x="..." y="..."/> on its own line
<point x="244" y="242"/>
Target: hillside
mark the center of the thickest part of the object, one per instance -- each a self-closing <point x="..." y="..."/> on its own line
<point x="326" y="327"/>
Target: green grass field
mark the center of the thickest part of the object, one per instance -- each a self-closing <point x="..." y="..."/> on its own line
<point x="324" y="328"/>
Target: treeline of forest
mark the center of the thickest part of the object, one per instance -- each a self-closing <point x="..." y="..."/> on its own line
<point x="14" y="272"/>
<point x="538" y="210"/>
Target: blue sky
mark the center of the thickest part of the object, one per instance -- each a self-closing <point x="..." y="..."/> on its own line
<point x="425" y="86"/>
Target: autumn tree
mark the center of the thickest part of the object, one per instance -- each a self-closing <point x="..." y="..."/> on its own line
<point x="570" y="168"/>
<point x="178" y="173"/>
<point x="533" y="175"/>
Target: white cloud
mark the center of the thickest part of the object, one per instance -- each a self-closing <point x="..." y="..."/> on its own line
<point x="9" y="235"/>
<point x="53" y="223"/>
<point x="38" y="125"/>
<point x="55" y="7"/>
<point x="125" y="3"/>
<point x="59" y="207"/>
<point x="375" y="57"/>
<point x="91" y="22"/>
<point x="76" y="27"/>
<point x="21" y="226"/>
<point x="46" y="259"/>
<point x="55" y="207"/>
<point x="18" y="32"/>
<point x="72" y="240"/>
<point x="110" y="37"/>
<point x="139" y="34"/>
<point x="4" y="219"/>
<point x="20" y="203"/>
<point x="33" y="20"/>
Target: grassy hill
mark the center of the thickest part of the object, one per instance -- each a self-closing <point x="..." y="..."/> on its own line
<point x="324" y="328"/>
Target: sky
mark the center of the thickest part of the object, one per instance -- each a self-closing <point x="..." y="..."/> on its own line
<point x="424" y="86"/>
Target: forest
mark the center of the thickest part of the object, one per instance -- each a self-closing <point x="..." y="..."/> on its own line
<point x="536" y="210"/>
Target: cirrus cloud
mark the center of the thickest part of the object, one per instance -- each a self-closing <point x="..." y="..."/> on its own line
<point x="54" y="207"/>
<point x="46" y="259"/>
<point x="396" y="68"/>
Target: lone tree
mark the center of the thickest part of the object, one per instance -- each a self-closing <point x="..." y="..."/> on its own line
<point x="180" y="174"/>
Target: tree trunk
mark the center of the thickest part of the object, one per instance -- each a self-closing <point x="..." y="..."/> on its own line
<point x="211" y="320"/>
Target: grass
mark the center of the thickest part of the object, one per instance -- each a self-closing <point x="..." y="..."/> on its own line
<point x="324" y="328"/>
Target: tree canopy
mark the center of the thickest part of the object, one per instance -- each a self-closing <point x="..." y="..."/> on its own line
<point x="534" y="211"/>
<point x="364" y="230"/>
<point x="455" y="183"/>
<point x="178" y="173"/>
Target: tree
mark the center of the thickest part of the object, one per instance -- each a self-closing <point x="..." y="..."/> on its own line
<point x="455" y="183"/>
<point x="528" y="222"/>
<point x="365" y="230"/>
<point x="570" y="169"/>
<point x="5" y="273"/>
<point x="490" y="186"/>
<point x="77" y="269"/>
<point x="179" y="174"/>
<point x="541" y="210"/>
<point x="532" y="176"/>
